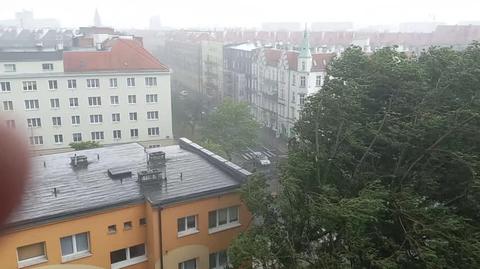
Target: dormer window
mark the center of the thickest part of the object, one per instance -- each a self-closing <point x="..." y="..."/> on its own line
<point x="47" y="67"/>
<point x="303" y="66"/>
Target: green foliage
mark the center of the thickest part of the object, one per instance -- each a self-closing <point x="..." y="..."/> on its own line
<point x="232" y="127"/>
<point x="384" y="170"/>
<point x="85" y="145"/>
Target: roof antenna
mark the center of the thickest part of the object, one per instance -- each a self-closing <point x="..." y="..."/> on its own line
<point x="181" y="176"/>
<point x="44" y="164"/>
<point x="98" y="156"/>
<point x="55" y="192"/>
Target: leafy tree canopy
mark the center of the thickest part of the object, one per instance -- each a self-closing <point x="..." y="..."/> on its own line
<point x="85" y="145"/>
<point x="383" y="172"/>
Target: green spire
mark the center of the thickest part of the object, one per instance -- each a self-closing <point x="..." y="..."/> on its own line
<point x="305" y="49"/>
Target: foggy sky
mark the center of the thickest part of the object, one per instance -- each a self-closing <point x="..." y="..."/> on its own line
<point x="243" y="13"/>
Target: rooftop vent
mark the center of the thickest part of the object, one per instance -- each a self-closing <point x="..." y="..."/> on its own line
<point x="151" y="175"/>
<point x="79" y="161"/>
<point x="157" y="157"/>
<point x="119" y="173"/>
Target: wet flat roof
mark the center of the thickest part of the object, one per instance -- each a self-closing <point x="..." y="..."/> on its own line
<point x="56" y="190"/>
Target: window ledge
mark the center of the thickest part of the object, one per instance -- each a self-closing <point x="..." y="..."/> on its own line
<point x="32" y="261"/>
<point x="130" y="262"/>
<point x="74" y="257"/>
<point x="224" y="227"/>
<point x="187" y="233"/>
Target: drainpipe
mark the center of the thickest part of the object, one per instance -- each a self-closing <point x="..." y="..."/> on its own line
<point x="161" y="237"/>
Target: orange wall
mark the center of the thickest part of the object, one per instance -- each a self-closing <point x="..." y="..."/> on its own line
<point x="101" y="243"/>
<point x="214" y="242"/>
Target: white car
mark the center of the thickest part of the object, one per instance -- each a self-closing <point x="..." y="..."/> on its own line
<point x="261" y="159"/>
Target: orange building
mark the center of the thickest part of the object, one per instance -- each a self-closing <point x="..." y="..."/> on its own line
<point x="174" y="207"/>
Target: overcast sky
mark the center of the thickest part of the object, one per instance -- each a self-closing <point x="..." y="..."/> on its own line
<point x="243" y="13"/>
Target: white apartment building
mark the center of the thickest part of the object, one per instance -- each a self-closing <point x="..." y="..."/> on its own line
<point x="118" y="94"/>
<point x="281" y="80"/>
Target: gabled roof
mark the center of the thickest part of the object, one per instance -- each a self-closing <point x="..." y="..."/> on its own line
<point x="122" y="54"/>
<point x="292" y="58"/>
<point x="272" y="56"/>
<point x="321" y="60"/>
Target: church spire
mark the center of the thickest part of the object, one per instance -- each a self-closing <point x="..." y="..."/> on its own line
<point x="305" y="48"/>
<point x="96" y="20"/>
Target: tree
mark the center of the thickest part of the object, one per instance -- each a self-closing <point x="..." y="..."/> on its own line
<point x="189" y="110"/>
<point x="231" y="127"/>
<point x="85" y="145"/>
<point x="383" y="172"/>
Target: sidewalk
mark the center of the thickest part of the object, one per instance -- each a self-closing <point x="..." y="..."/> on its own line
<point x="266" y="137"/>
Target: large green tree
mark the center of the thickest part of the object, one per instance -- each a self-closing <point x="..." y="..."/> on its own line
<point x="383" y="172"/>
<point x="231" y="127"/>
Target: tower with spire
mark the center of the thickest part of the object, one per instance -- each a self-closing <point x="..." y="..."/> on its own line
<point x="305" y="56"/>
<point x="96" y="20"/>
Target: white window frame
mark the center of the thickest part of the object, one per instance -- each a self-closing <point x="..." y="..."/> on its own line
<point x="229" y="225"/>
<point x="132" y="97"/>
<point x="96" y="119"/>
<point x="33" y="104"/>
<point x="93" y="83"/>
<point x="77" y="137"/>
<point x="303" y="82"/>
<point x="97" y="136"/>
<point x="94" y="101"/>
<point x="6" y="86"/>
<point x="58" y="138"/>
<point x="181" y="265"/>
<point x="48" y="65"/>
<point x="75" y="102"/>
<point x="134" y="137"/>
<point x="117" y="134"/>
<point x="217" y="260"/>
<point x="33" y="260"/>
<point x="10" y="67"/>
<point x="113" y="83"/>
<point x="130" y="261"/>
<point x="151" y="98"/>
<point x="54" y="103"/>
<point x="76" y="254"/>
<point x="152" y="115"/>
<point x="8" y="105"/>
<point x="114" y="100"/>
<point x="53" y="84"/>
<point x="130" y="114"/>
<point x="150" y="81"/>
<point x="77" y="120"/>
<point x="187" y="231"/>
<point x="30" y="85"/>
<point x="115" y="117"/>
<point x="153" y="131"/>
<point x="130" y="82"/>
<point x="34" y="122"/>
<point x="36" y="140"/>
<point x="10" y="123"/>
<point x="318" y="81"/>
<point x="72" y="84"/>
<point x="57" y="121"/>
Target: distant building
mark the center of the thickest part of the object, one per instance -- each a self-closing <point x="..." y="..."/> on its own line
<point x="418" y="27"/>
<point x="128" y="207"/>
<point x="238" y="61"/>
<point x="331" y="26"/>
<point x="25" y="20"/>
<point x="155" y="23"/>
<point x="113" y="94"/>
<point x="16" y="38"/>
<point x="281" y="26"/>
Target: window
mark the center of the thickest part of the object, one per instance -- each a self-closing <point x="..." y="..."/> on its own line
<point x="5" y="86"/>
<point x="301" y="98"/>
<point x="112" y="229"/>
<point x="117" y="134"/>
<point x="218" y="260"/>
<point x="223" y="219"/>
<point x="302" y="81"/>
<point x="52" y="85"/>
<point x="187" y="225"/>
<point x="152" y="115"/>
<point x="116" y="117"/>
<point x="36" y="140"/>
<point x="55" y="103"/>
<point x="151" y="98"/>
<point x="77" y="137"/>
<point x="132" y="99"/>
<point x="95" y="101"/>
<point x="113" y="83"/>
<point x="293" y="80"/>
<point x="57" y="121"/>
<point x="128" y="256"/>
<point x="190" y="264"/>
<point x="58" y="138"/>
<point x="293" y="97"/>
<point x="31" y="104"/>
<point x="127" y="225"/>
<point x="93" y="83"/>
<point x="97" y="136"/>
<point x="114" y="100"/>
<point x="75" y="120"/>
<point x="134" y="133"/>
<point x="73" y="102"/>
<point x="154" y="131"/>
<point x="132" y="115"/>
<point x="29" y="85"/>
<point x="142" y="221"/>
<point x="75" y="245"/>
<point x="150" y="81"/>
<point x="318" y="81"/>
<point x="131" y="82"/>
<point x="7" y="105"/>
<point x="10" y="67"/>
<point x="72" y="83"/>
<point x="47" y="67"/>
<point x="303" y="66"/>
<point x="34" y="122"/>
<point x="10" y="123"/>
<point x="31" y="254"/>
<point x="98" y="118"/>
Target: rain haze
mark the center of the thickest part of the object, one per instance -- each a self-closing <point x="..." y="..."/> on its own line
<point x="247" y="13"/>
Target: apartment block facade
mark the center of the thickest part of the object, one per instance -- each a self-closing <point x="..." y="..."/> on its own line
<point x="117" y="94"/>
<point x="128" y="207"/>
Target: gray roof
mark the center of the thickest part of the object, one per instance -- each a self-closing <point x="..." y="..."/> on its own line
<point x="30" y="56"/>
<point x="90" y="189"/>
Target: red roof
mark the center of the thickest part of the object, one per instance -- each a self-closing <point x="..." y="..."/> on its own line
<point x="321" y="60"/>
<point x="272" y="56"/>
<point x="123" y="54"/>
<point x="292" y="58"/>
